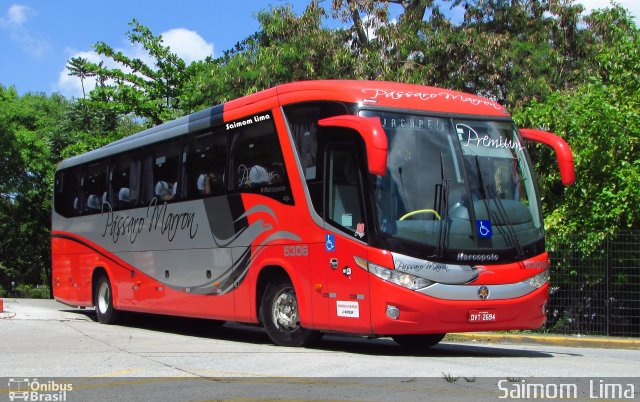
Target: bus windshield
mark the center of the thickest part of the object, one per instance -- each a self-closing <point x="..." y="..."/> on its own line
<point x="456" y="184"/>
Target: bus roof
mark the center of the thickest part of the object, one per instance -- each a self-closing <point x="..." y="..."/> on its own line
<point x="390" y="94"/>
<point x="365" y="93"/>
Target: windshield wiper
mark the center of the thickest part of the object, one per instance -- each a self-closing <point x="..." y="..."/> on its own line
<point x="442" y="191"/>
<point x="505" y="218"/>
<point x="499" y="215"/>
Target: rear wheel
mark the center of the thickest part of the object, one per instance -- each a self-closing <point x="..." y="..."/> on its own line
<point x="420" y="342"/>
<point x="103" y="299"/>
<point x="280" y="316"/>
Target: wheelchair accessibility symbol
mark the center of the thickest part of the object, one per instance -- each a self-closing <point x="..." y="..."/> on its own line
<point x="484" y="229"/>
<point x="329" y="242"/>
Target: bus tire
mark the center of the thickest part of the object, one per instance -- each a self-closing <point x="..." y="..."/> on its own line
<point x="418" y="342"/>
<point x="103" y="300"/>
<point x="280" y="316"/>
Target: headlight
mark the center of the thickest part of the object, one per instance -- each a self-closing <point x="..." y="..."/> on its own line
<point x="399" y="278"/>
<point x="540" y="279"/>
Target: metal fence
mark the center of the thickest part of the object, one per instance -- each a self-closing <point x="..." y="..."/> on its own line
<point x="598" y="293"/>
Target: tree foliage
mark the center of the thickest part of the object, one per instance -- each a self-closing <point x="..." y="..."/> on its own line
<point x="287" y="48"/>
<point x="151" y="90"/>
<point x="509" y="50"/>
<point x="32" y="140"/>
<point x="79" y="67"/>
<point x="36" y="133"/>
<point x="600" y="120"/>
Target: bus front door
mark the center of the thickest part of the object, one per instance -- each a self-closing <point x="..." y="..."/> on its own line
<point x="345" y="239"/>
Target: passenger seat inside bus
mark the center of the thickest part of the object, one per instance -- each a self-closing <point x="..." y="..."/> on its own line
<point x="162" y="190"/>
<point x="92" y="202"/>
<point x="123" y="197"/>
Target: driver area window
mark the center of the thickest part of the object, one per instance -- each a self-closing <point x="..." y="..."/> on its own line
<point x="344" y="198"/>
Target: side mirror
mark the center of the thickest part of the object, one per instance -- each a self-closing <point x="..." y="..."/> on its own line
<point x="372" y="133"/>
<point x="560" y="146"/>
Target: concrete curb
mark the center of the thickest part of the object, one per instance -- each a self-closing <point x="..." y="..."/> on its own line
<point x="576" y="341"/>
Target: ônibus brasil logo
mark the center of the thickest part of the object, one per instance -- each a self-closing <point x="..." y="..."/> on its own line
<point x="24" y="389"/>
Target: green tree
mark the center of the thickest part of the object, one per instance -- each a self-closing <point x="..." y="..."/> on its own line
<point x="36" y="133"/>
<point x="509" y="50"/>
<point x="600" y="120"/>
<point x="286" y="48"/>
<point x="32" y="140"/>
<point x="78" y="67"/>
<point x="152" y="91"/>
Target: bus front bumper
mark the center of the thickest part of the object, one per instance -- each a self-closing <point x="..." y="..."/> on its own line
<point x="422" y="314"/>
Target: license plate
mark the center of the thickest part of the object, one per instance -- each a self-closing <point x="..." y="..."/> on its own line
<point x="482" y="316"/>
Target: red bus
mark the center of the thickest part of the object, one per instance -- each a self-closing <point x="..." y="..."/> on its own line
<point x="371" y="208"/>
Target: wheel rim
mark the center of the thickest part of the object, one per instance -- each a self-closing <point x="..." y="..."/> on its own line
<point x="104" y="295"/>
<point x="285" y="310"/>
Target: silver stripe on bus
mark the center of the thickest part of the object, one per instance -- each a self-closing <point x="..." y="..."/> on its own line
<point x="470" y="292"/>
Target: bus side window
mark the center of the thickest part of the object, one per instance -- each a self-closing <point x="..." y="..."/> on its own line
<point x="303" y="124"/>
<point x="67" y="200"/>
<point x="160" y="172"/>
<point x="94" y="187"/>
<point x="256" y="162"/>
<point x="204" y="159"/>
<point x="124" y="180"/>
<point x="302" y="119"/>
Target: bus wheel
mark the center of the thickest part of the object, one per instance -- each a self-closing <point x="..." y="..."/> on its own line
<point x="103" y="299"/>
<point x="280" y="316"/>
<point x="419" y="342"/>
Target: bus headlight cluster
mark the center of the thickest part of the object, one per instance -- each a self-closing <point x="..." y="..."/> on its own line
<point x="540" y="279"/>
<point x="399" y="278"/>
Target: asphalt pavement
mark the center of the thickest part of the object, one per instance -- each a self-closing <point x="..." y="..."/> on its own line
<point x="149" y="357"/>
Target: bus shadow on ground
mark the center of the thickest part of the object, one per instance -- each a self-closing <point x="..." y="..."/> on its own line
<point x="386" y="346"/>
<point x="235" y="332"/>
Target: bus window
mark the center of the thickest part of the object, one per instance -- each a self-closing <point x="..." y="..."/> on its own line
<point x="344" y="199"/>
<point x="124" y="180"/>
<point x="94" y="187"/>
<point x="67" y="199"/>
<point x="256" y="162"/>
<point x="204" y="159"/>
<point x="303" y="124"/>
<point x="160" y="172"/>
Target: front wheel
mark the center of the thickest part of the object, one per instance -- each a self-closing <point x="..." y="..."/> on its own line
<point x="103" y="299"/>
<point x="280" y="316"/>
<point x="419" y="342"/>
